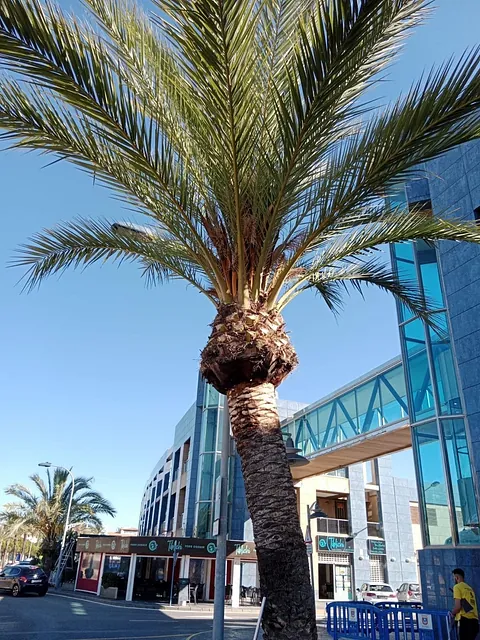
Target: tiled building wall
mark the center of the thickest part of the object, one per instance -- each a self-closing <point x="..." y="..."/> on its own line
<point x="358" y="521"/>
<point x="455" y="192"/>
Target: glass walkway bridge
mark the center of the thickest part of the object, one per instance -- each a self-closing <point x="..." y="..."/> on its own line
<point x="361" y="421"/>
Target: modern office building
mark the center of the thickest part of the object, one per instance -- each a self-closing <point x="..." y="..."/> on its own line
<point x="428" y="399"/>
<point x="367" y="532"/>
<point x="446" y="357"/>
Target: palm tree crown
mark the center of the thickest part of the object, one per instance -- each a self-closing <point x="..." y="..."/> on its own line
<point x="43" y="510"/>
<point x="241" y="130"/>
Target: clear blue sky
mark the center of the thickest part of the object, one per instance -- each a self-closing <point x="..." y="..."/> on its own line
<point x="96" y="369"/>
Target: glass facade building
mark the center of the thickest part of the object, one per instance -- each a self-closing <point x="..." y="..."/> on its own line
<point x="437" y="414"/>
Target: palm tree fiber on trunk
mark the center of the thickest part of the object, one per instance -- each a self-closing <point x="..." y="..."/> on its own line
<point x="282" y="559"/>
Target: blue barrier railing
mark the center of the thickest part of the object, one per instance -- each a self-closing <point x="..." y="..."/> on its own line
<point x="399" y="605"/>
<point x="360" y="621"/>
<point x="355" y="620"/>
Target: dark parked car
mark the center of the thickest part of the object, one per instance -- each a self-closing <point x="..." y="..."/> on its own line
<point x="19" y="579"/>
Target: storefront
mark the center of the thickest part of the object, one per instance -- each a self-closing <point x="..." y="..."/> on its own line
<point x="335" y="567"/>
<point x="156" y="568"/>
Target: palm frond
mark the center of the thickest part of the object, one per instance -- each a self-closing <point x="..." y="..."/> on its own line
<point x="333" y="282"/>
<point x="84" y="242"/>
<point x="240" y="127"/>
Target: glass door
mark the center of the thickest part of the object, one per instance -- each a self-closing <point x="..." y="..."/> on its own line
<point x="343" y="582"/>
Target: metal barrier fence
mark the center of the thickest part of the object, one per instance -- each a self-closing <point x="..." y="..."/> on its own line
<point x="399" y="605"/>
<point x="360" y="621"/>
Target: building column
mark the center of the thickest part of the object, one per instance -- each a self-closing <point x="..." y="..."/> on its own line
<point x="236" y="579"/>
<point x="358" y="523"/>
<point x="131" y="577"/>
<point x="184" y="594"/>
<point x="100" y="574"/>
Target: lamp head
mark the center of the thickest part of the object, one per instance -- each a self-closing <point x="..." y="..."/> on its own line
<point x="294" y="459"/>
<point x="45" y="464"/>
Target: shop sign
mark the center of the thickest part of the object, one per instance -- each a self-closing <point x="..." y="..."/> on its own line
<point x="104" y="544"/>
<point x="334" y="544"/>
<point x="161" y="546"/>
<point x="377" y="547"/>
<point x="144" y="546"/>
<point x="244" y="550"/>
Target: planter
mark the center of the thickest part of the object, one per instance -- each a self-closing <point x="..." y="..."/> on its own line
<point x="110" y="593"/>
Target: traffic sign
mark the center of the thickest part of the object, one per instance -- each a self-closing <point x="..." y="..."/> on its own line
<point x="309" y="546"/>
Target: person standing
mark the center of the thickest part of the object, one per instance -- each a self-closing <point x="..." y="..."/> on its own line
<point x="465" y="609"/>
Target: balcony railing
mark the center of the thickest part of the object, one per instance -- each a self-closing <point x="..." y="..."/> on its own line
<point x="333" y="525"/>
<point x="375" y="529"/>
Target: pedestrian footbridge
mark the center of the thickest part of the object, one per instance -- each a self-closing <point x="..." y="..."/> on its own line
<point x="364" y="420"/>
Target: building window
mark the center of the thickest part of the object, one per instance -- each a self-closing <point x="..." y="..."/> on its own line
<point x="466" y="510"/>
<point x="418" y="369"/>
<point x="377" y="569"/>
<point x="432" y="516"/>
<point x="432" y="485"/>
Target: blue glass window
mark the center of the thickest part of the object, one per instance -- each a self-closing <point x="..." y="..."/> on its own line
<point x="406" y="272"/>
<point x="432" y="485"/>
<point x="418" y="370"/>
<point x="210" y="426"/>
<point x="427" y="262"/>
<point x="212" y="397"/>
<point x="347" y="416"/>
<point x="445" y="373"/>
<point x="206" y="477"/>
<point x="203" y="519"/>
<point x="393" y="395"/>
<point x="466" y="511"/>
<point x="369" y="406"/>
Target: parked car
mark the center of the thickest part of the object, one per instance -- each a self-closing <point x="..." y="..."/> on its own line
<point x="19" y="579"/>
<point x="374" y="592"/>
<point x="409" y="592"/>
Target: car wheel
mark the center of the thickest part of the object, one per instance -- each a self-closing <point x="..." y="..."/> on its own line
<point x="42" y="593"/>
<point x="15" y="591"/>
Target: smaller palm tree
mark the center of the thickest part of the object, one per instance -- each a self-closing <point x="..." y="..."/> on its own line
<point x="43" y="510"/>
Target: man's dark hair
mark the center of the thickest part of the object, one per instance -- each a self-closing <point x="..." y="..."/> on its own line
<point x="459" y="572"/>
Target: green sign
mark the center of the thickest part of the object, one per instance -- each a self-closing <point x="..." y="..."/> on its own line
<point x="335" y="544"/>
<point x="377" y="548"/>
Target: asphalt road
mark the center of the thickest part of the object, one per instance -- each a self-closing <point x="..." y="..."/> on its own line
<point x="58" y="617"/>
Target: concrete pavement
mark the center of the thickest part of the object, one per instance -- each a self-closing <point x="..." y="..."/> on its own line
<point x="61" y="617"/>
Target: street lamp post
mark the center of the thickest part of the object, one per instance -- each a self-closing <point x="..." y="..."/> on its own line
<point x="221" y="554"/>
<point x="49" y="465"/>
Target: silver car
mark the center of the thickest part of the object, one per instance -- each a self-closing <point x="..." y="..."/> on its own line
<point x="374" y="592"/>
<point x="409" y="592"/>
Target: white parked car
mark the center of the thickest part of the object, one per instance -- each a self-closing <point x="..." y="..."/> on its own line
<point x="409" y="592"/>
<point x="374" y="592"/>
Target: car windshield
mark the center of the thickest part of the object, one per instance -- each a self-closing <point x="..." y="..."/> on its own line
<point x="381" y="587"/>
<point x="33" y="571"/>
<point x="414" y="587"/>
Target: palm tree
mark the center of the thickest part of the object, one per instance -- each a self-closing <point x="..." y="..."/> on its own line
<point x="241" y="130"/>
<point x="43" y="510"/>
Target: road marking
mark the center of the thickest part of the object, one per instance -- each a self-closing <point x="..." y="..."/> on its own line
<point x="105" y="604"/>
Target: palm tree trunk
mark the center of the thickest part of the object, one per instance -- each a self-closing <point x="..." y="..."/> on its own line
<point x="282" y="558"/>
